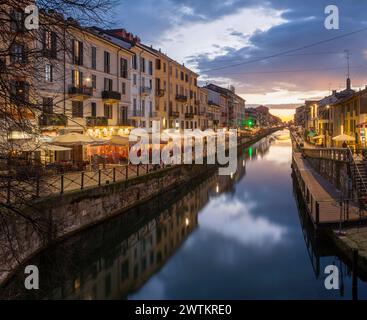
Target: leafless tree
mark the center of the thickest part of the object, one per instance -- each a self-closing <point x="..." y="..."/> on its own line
<point x="24" y="53"/>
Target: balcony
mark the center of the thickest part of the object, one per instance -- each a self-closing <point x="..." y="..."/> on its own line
<point x="201" y="113"/>
<point x="153" y="114"/>
<point x="146" y="91"/>
<point x="80" y="93"/>
<point x="53" y="120"/>
<point x="137" y="114"/>
<point x="174" y="114"/>
<point x="111" y="96"/>
<point x="96" y="122"/>
<point x="181" y="98"/>
<point x="160" y="93"/>
<point x="189" y="115"/>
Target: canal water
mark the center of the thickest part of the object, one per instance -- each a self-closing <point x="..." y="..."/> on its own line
<point x="240" y="237"/>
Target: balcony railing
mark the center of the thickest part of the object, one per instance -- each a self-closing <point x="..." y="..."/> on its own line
<point x="111" y="96"/>
<point x="181" y="98"/>
<point x="174" y="114"/>
<point x="189" y="115"/>
<point x="153" y="114"/>
<point x="84" y="92"/>
<point x="137" y="114"/>
<point x="96" y="121"/>
<point x="160" y="92"/>
<point x="146" y="90"/>
<point x="53" y="120"/>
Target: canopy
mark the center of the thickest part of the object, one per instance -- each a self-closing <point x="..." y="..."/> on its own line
<point x="318" y="137"/>
<point x="118" y="141"/>
<point x="343" y="138"/>
<point x="73" y="139"/>
<point x="35" y="147"/>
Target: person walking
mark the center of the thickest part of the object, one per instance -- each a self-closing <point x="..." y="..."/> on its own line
<point x="345" y="145"/>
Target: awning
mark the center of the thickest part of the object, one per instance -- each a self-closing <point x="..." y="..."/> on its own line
<point x="318" y="137"/>
<point x="34" y="147"/>
<point x="343" y="138"/>
<point x="73" y="139"/>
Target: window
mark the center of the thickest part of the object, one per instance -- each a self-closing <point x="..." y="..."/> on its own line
<point x="94" y="58"/>
<point x="135" y="80"/>
<point x="186" y="77"/>
<point x="47" y="106"/>
<point x="123" y="68"/>
<point x="135" y="62"/>
<point x="17" y="24"/>
<point x="143" y="108"/>
<point x="123" y="88"/>
<point x="49" y="44"/>
<point x="77" y="109"/>
<point x="18" y="54"/>
<point x="164" y="68"/>
<point x="151" y="68"/>
<point x="77" y="52"/>
<point x="94" y="81"/>
<point x="108" y="112"/>
<point x="93" y="107"/>
<point x="142" y="64"/>
<point x="107" y="62"/>
<point x="158" y="64"/>
<point x="134" y="105"/>
<point x="108" y="84"/>
<point x="182" y="76"/>
<point x="77" y="78"/>
<point x="49" y="73"/>
<point x="19" y="92"/>
<point x="176" y="74"/>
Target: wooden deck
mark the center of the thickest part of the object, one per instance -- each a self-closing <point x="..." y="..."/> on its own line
<point x="321" y="197"/>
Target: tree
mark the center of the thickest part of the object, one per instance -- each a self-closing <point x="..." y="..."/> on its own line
<point x="29" y="56"/>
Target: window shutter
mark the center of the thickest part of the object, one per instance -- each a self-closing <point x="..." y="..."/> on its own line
<point x="54" y="45"/>
<point x="81" y="53"/>
<point x="73" y="50"/>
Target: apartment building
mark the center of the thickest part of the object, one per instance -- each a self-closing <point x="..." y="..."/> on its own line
<point x="232" y="106"/>
<point x="177" y="95"/>
<point x="203" y="109"/>
<point x="86" y="83"/>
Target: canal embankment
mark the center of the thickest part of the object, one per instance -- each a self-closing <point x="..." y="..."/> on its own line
<point x="322" y="178"/>
<point x="62" y="215"/>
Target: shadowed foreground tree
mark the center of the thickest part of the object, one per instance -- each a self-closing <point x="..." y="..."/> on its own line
<point x="27" y="54"/>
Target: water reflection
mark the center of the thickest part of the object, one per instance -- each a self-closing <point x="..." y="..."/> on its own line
<point x="227" y="237"/>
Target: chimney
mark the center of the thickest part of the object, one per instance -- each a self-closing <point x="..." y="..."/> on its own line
<point x="334" y="92"/>
<point x="349" y="84"/>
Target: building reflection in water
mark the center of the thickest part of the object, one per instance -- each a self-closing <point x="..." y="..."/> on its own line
<point x="322" y="252"/>
<point x="115" y="259"/>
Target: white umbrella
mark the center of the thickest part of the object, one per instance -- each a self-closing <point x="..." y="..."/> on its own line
<point x="73" y="139"/>
<point x="118" y="141"/>
<point x="318" y="137"/>
<point x="343" y="137"/>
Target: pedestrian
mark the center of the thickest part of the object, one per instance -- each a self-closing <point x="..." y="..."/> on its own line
<point x="345" y="145"/>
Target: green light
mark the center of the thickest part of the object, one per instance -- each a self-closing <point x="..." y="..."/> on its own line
<point x="250" y="152"/>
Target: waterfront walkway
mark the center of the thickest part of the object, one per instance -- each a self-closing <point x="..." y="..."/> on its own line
<point x="323" y="199"/>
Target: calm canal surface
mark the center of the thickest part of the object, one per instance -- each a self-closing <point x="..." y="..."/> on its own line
<point x="240" y="237"/>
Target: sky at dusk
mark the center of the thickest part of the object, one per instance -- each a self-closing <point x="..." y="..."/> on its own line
<point x="225" y="41"/>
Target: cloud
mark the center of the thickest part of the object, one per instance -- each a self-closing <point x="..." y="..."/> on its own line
<point x="230" y="32"/>
<point x="234" y="219"/>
